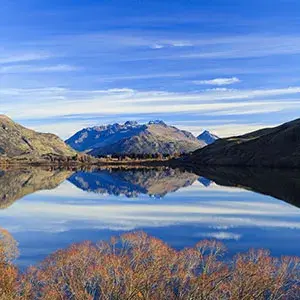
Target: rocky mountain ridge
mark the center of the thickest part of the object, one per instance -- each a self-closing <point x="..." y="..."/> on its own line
<point x="134" y="138"/>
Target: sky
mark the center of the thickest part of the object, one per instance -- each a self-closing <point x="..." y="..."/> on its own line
<point x="222" y="65"/>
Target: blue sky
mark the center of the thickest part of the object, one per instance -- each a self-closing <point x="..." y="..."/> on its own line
<point x="226" y="66"/>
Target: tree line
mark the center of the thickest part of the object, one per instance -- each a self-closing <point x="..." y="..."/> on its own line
<point x="141" y="156"/>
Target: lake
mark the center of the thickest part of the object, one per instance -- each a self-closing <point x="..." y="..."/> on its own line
<point x="45" y="210"/>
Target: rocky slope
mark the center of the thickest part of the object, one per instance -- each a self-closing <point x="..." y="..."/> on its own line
<point x="269" y="147"/>
<point x="20" y="143"/>
<point x="133" y="138"/>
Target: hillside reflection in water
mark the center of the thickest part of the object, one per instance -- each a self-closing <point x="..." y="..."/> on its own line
<point x="49" y="209"/>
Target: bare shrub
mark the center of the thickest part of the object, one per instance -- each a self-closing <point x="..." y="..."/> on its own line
<point x="8" y="272"/>
<point x="137" y="266"/>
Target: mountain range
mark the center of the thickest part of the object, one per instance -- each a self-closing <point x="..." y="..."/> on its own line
<point x="20" y="144"/>
<point x="269" y="147"/>
<point x="134" y="138"/>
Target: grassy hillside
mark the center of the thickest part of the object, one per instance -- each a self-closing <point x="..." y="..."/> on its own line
<point x="20" y="143"/>
<point x="272" y="147"/>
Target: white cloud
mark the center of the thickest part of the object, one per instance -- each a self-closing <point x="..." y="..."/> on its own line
<point x="222" y="235"/>
<point x="218" y="81"/>
<point x="157" y="46"/>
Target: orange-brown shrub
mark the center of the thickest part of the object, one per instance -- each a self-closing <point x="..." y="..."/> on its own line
<point x="137" y="266"/>
<point x="8" y="272"/>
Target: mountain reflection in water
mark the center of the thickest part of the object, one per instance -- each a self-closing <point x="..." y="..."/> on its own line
<point x="48" y="209"/>
<point x="158" y="182"/>
<point x="131" y="182"/>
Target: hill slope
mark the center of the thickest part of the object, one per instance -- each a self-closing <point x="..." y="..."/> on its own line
<point x="133" y="138"/>
<point x="18" y="142"/>
<point x="272" y="147"/>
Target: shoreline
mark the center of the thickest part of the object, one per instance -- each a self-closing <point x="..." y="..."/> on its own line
<point x="13" y="164"/>
<point x="94" y="163"/>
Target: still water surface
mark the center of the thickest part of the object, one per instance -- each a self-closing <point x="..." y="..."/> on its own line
<point x="47" y="210"/>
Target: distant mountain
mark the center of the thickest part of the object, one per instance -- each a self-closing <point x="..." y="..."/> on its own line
<point x="18" y="142"/>
<point x="133" y="138"/>
<point x="272" y="147"/>
<point x="207" y="137"/>
<point x="132" y="182"/>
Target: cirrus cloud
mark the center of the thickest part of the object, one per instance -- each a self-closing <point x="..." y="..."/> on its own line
<point x="218" y="81"/>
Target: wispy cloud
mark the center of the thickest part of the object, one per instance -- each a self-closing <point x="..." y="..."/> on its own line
<point x="174" y="46"/>
<point x="212" y="95"/>
<point x="46" y="103"/>
<point x="228" y="47"/>
<point x="37" y="69"/>
<point x="117" y="100"/>
<point x="182" y="44"/>
<point x="141" y="76"/>
<point x="165" y="44"/>
<point x="248" y="48"/>
<point x="218" y="81"/>
<point x="157" y="46"/>
<point x="22" y="57"/>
